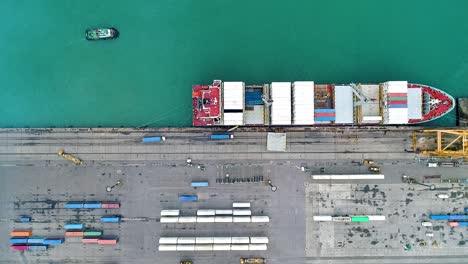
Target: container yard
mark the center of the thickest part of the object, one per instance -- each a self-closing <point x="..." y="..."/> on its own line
<point x="132" y="200"/>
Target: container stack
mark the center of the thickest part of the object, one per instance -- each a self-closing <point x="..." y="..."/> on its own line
<point x="452" y="220"/>
<point x="22" y="240"/>
<point x="354" y="218"/>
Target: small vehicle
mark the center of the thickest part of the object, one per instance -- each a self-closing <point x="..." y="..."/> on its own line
<point x="368" y="162"/>
<point x="186" y="262"/>
<point x="101" y="33"/>
<point x="374" y="169"/>
<point x="429" y="234"/>
<point x="426" y="224"/>
<point x="252" y="260"/>
<point x="432" y="164"/>
<point x="442" y="196"/>
<point x="70" y="157"/>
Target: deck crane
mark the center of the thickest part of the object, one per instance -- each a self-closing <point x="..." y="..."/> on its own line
<point x="362" y="98"/>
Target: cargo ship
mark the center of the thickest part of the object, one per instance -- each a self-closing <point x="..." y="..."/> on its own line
<point x="304" y="103"/>
<point x="101" y="33"/>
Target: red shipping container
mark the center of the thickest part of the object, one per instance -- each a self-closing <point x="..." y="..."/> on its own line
<point x="453" y="223"/>
<point x="21" y="233"/>
<point x="74" y="233"/>
<point x="19" y="247"/>
<point x="110" y="205"/>
<point x="107" y="241"/>
<point x="90" y="240"/>
<point x="397" y="102"/>
<point x="324" y="114"/>
<point x="397" y="94"/>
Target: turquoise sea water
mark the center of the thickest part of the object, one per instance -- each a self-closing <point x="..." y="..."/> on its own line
<point x="51" y="76"/>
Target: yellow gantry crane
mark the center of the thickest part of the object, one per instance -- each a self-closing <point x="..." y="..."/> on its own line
<point x="447" y="143"/>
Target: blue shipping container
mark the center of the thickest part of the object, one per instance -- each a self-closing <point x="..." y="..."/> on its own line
<point x="35" y="240"/>
<point x="188" y="198"/>
<point x="92" y="205"/>
<point x="74" y="205"/>
<point x="324" y="110"/>
<point x="220" y="137"/>
<point x="25" y="219"/>
<point x="74" y="226"/>
<point x="200" y="184"/>
<point x="110" y="219"/>
<point x="457" y="217"/>
<point x="324" y="118"/>
<point x="439" y="217"/>
<point x="466" y="210"/>
<point x="153" y="139"/>
<point x="18" y="240"/>
<point x="53" y="241"/>
<point x="464" y="223"/>
<point x="398" y="106"/>
<point x="38" y="248"/>
<point x="253" y="98"/>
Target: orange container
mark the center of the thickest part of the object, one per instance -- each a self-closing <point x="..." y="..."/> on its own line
<point x="107" y="241"/>
<point x="21" y="233"/>
<point x="90" y="240"/>
<point x="74" y="233"/>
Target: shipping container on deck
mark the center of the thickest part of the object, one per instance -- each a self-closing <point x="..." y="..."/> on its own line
<point x="281" y="107"/>
<point x="19" y="247"/>
<point x="89" y="240"/>
<point x="21" y="233"/>
<point x="167" y="248"/>
<point x="108" y="241"/>
<point x="35" y="240"/>
<point x="92" y="205"/>
<point x="74" y="205"/>
<point x="92" y="233"/>
<point x="439" y="217"/>
<point x="199" y="184"/>
<point x="74" y="226"/>
<point x="18" y="240"/>
<point x="74" y="233"/>
<point x="54" y="241"/>
<point x="110" y="219"/>
<point x="153" y="139"/>
<point x="188" y="198"/>
<point x="170" y="212"/>
<point x="110" y="205"/>
<point x="38" y="247"/>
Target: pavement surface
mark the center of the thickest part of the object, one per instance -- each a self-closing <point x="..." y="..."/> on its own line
<point x="37" y="182"/>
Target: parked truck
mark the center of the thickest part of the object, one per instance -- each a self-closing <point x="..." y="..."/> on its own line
<point x="252" y="260"/>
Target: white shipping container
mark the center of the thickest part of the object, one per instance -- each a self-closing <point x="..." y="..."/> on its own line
<point x="281" y="105"/>
<point x="170" y="212"/>
<point x="376" y="217"/>
<point x="204" y="240"/>
<point x="207" y="212"/>
<point x="205" y="219"/>
<point x="168" y="240"/>
<point x="167" y="248"/>
<point x="223" y="212"/>
<point x="241" y="205"/>
<point x="223" y="219"/>
<point x="260" y="219"/>
<point x="240" y="247"/>
<point x="323" y="218"/>
<point x="224" y="247"/>
<point x="187" y="219"/>
<point x="185" y="247"/>
<point x="233" y="95"/>
<point x="259" y="240"/>
<point x="240" y="240"/>
<point x="241" y="219"/>
<point x="241" y="212"/>
<point x="303" y="103"/>
<point x="222" y="240"/>
<point x="186" y="240"/>
<point x="204" y="247"/>
<point x="258" y="247"/>
<point x="169" y="219"/>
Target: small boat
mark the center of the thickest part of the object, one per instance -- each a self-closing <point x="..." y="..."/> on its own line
<point x="101" y="33"/>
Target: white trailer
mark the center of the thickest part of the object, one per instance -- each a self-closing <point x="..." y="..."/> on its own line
<point x="205" y="219"/>
<point x="235" y="247"/>
<point x="258" y="247"/>
<point x="168" y="240"/>
<point x="222" y="240"/>
<point x="206" y="212"/>
<point x="222" y="247"/>
<point x="260" y="219"/>
<point x="190" y="247"/>
<point x="241" y="212"/>
<point x="186" y="240"/>
<point x="240" y="240"/>
<point x="259" y="240"/>
<point x="204" y="240"/>
<point x="167" y="248"/>
<point x="241" y="205"/>
<point x="241" y="219"/>
<point x="204" y="247"/>
<point x="187" y="219"/>
<point x="223" y="212"/>
<point x="169" y="219"/>
<point x="223" y="219"/>
<point x="170" y="212"/>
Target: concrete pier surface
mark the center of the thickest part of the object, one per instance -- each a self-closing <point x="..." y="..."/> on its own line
<point x="37" y="182"/>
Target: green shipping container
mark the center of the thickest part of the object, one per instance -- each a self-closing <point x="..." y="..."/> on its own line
<point x="92" y="233"/>
<point x="359" y="219"/>
<point x="397" y="98"/>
